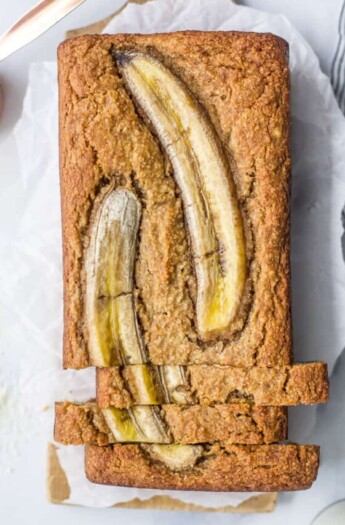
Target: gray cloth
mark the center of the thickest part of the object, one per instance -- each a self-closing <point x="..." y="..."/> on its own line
<point x="338" y="63"/>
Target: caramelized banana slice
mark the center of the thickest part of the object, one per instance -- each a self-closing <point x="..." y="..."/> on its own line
<point x="137" y="424"/>
<point x="175" y="457"/>
<point x="149" y="421"/>
<point x="145" y="385"/>
<point x="121" y="425"/>
<point x="126" y="334"/>
<point x="113" y="334"/>
<point x="150" y="385"/>
<point x="176" y="388"/>
<point x="203" y="174"/>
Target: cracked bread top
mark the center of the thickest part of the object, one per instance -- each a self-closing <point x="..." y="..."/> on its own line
<point x="241" y="79"/>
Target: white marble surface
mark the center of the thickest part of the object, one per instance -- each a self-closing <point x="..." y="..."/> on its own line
<point x="22" y="492"/>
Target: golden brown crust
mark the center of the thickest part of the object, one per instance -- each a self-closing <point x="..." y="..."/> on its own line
<point x="221" y="468"/>
<point x="301" y="383"/>
<point x="80" y="424"/>
<point x="242" y="81"/>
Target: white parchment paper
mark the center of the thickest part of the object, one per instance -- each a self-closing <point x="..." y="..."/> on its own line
<point x="31" y="277"/>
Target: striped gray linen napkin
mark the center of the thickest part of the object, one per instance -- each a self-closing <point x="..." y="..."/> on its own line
<point x="338" y="62"/>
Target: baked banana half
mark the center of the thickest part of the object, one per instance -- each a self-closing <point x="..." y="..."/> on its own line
<point x="111" y="322"/>
<point x="203" y="174"/>
<point x="141" y="424"/>
<point x="175" y="457"/>
<point x="151" y="385"/>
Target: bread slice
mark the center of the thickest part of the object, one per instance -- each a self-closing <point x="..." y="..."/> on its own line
<point x="218" y="467"/>
<point x="298" y="384"/>
<point x="241" y="81"/>
<point x="80" y="424"/>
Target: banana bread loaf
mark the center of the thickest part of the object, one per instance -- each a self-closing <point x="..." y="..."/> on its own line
<point x="175" y="183"/>
<point x="215" y="467"/>
<point x="240" y="89"/>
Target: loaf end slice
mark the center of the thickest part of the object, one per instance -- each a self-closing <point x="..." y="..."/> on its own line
<point x="232" y="468"/>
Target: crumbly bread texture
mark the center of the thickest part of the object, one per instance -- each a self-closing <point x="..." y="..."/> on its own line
<point x="221" y="467"/>
<point x="241" y="79"/>
<point x="79" y="424"/>
<point x="301" y="383"/>
<point x="244" y="424"/>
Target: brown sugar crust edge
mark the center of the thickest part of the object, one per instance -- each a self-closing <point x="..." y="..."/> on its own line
<point x="220" y="468"/>
<point x="80" y="424"/>
<point x="301" y="383"/>
<point x="242" y="81"/>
